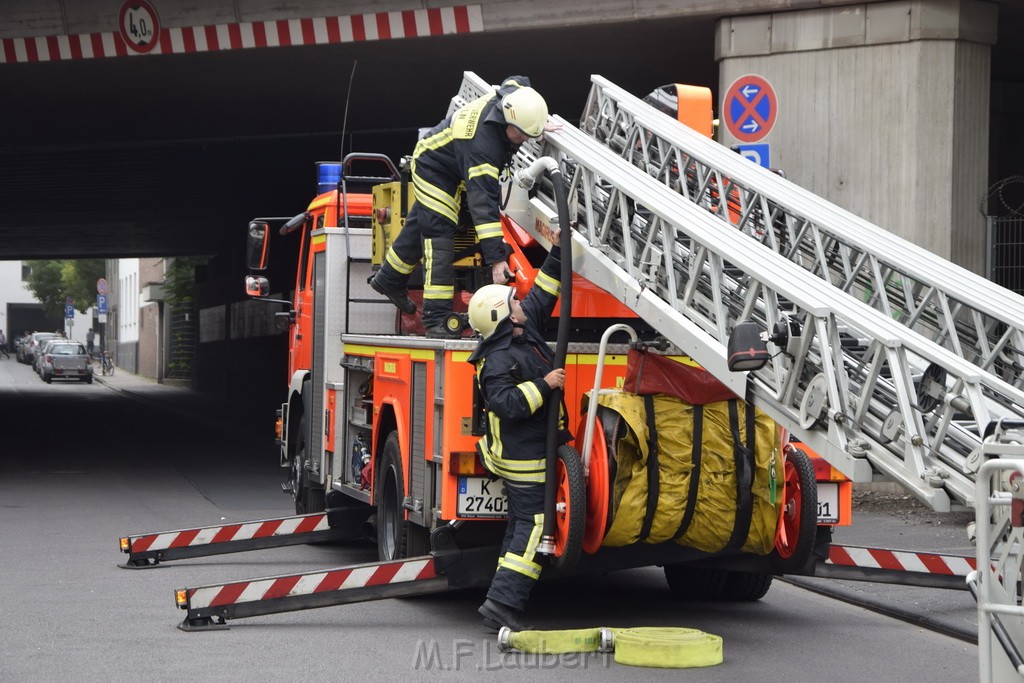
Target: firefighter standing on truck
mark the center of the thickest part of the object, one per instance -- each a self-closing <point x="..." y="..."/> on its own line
<point x="515" y="371"/>
<point x="466" y="150"/>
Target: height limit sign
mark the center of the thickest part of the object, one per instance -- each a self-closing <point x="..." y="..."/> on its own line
<point x="750" y="108"/>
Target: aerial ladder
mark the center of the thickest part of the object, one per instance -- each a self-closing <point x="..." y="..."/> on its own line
<point x="880" y="362"/>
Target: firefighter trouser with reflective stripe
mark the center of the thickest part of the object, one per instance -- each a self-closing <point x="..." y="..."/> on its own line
<point x="428" y="236"/>
<point x="518" y="568"/>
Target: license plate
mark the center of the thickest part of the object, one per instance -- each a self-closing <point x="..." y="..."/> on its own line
<point x="481" y="497"/>
<point x="828" y="503"/>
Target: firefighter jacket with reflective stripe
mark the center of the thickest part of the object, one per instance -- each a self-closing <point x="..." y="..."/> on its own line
<point x="511" y="372"/>
<point x="468" y="147"/>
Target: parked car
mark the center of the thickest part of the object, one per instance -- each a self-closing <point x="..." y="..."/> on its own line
<point x="65" y="360"/>
<point x="19" y="346"/>
<point x="33" y="345"/>
<point x="37" y="357"/>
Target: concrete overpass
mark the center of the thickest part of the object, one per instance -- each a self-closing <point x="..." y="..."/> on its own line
<point x="167" y="145"/>
<point x="165" y="152"/>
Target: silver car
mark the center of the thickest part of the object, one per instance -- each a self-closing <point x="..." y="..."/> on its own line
<point x="37" y="357"/>
<point x="66" y="360"/>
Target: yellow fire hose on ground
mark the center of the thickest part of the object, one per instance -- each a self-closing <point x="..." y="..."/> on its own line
<point x="667" y="648"/>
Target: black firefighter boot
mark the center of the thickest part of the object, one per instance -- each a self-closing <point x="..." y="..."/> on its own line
<point x="496" y="615"/>
<point x="399" y="297"/>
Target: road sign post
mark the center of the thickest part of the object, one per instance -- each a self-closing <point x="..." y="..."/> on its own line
<point x="69" y="314"/>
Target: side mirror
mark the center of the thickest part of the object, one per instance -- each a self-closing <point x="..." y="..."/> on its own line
<point x="747" y="349"/>
<point x="256" y="286"/>
<point x="258" y="248"/>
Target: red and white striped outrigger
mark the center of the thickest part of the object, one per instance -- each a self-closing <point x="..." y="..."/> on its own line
<point x="148" y="550"/>
<point x="931" y="570"/>
<point x="209" y="607"/>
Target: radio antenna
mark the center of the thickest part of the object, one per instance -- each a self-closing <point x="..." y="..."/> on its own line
<point x="348" y="98"/>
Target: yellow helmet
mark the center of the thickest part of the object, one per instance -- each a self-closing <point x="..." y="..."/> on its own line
<point x="525" y="109"/>
<point x="488" y="307"/>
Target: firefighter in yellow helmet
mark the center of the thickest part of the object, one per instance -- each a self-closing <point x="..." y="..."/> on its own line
<point x="516" y="374"/>
<point x="469" y="148"/>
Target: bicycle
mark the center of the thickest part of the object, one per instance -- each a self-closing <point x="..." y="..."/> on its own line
<point x="106" y="364"/>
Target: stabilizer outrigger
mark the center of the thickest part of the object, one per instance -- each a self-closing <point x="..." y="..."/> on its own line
<point x="150" y="549"/>
<point x="209" y="607"/>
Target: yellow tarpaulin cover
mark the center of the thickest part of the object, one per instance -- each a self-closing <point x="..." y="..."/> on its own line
<point x="714" y="514"/>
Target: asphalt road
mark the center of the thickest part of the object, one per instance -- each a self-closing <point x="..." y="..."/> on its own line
<point x="82" y="465"/>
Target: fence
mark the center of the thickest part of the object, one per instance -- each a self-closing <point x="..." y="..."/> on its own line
<point x="1006" y="252"/>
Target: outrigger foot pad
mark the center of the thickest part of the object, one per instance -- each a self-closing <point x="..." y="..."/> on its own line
<point x="204" y="624"/>
<point x="141" y="563"/>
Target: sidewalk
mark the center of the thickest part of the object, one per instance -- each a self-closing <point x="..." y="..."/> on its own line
<point x="176" y="398"/>
<point x="231" y="415"/>
<point x="124" y="381"/>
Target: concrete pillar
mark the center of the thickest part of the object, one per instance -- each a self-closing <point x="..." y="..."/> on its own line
<point x="882" y="108"/>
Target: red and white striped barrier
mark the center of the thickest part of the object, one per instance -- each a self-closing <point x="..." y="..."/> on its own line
<point x="186" y="538"/>
<point x="899" y="560"/>
<point x="361" y="576"/>
<point x="418" y="23"/>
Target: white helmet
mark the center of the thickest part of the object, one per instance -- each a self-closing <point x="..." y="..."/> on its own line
<point x="525" y="109"/>
<point x="489" y="306"/>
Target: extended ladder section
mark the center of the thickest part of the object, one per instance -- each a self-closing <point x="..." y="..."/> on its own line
<point x="866" y="391"/>
<point x="960" y="310"/>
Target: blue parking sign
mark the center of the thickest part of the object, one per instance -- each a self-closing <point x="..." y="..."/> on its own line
<point x="69" y="311"/>
<point x="101" y="303"/>
<point x="759" y="153"/>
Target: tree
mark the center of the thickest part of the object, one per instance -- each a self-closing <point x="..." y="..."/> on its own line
<point x="53" y="281"/>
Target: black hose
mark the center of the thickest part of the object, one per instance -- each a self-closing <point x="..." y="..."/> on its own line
<point x="561" y="347"/>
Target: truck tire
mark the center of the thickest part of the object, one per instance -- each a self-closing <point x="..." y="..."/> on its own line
<point x="746" y="586"/>
<point x="798" y="519"/>
<point x="389" y="494"/>
<point x="695" y="584"/>
<point x="309" y="498"/>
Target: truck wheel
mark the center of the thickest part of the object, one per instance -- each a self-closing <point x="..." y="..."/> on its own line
<point x="308" y="499"/>
<point x="695" y="583"/>
<point x="389" y="494"/>
<point x="571" y="512"/>
<point x="746" y="586"/>
<point x="798" y="516"/>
